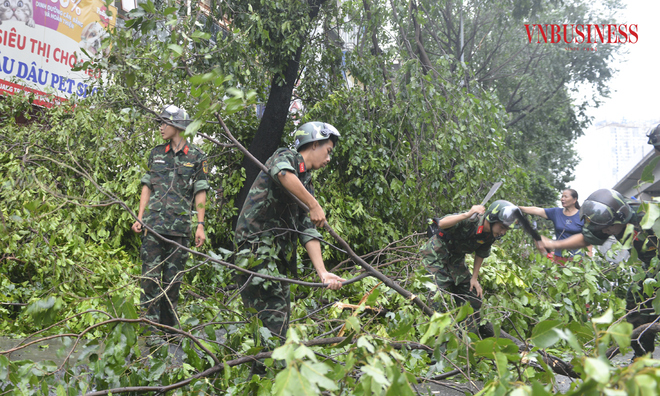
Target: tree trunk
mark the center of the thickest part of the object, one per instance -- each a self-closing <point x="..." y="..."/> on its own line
<point x="269" y="134"/>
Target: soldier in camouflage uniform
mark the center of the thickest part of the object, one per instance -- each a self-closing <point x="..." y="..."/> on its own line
<point x="654" y="138"/>
<point x="176" y="176"/>
<point x="457" y="235"/>
<point x="271" y="223"/>
<point x="606" y="212"/>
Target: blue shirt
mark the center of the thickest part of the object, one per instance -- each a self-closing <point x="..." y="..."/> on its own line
<point x="565" y="226"/>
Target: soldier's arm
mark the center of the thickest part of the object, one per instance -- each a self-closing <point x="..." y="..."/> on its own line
<point x="200" y="205"/>
<point x="576" y="241"/>
<point x="474" y="281"/>
<point x="290" y="181"/>
<point x="313" y="248"/>
<point x="452" y="220"/>
<point x="144" y="200"/>
<point x="533" y="210"/>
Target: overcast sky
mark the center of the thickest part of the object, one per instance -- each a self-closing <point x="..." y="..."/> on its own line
<point x="635" y="92"/>
<point x="636" y="87"/>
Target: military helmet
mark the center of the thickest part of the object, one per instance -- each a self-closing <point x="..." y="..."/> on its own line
<point x="654" y="137"/>
<point x="178" y="117"/>
<point x="605" y="207"/>
<point x="502" y="211"/>
<point x="314" y="131"/>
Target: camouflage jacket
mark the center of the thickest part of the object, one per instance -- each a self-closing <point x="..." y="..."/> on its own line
<point x="645" y="242"/>
<point x="269" y="215"/>
<point x="468" y="236"/>
<point x="174" y="180"/>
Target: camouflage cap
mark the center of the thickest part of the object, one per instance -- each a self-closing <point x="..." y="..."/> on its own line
<point x="502" y="211"/>
<point x="605" y="207"/>
<point x="178" y="116"/>
<point x="312" y="132"/>
<point x="654" y="137"/>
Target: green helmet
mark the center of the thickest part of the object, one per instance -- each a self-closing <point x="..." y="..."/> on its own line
<point x="502" y="211"/>
<point x="178" y="117"/>
<point x="654" y="137"/>
<point x="314" y="131"/>
<point x="605" y="207"/>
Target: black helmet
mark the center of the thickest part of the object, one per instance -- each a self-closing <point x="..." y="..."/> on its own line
<point x="654" y="137"/>
<point x="178" y="116"/>
<point x="313" y="131"/>
<point x="605" y="207"/>
<point x="502" y="211"/>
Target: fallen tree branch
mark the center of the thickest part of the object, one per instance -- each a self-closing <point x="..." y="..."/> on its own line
<point x="370" y="270"/>
<point x="637" y="332"/>
<point x="244" y="359"/>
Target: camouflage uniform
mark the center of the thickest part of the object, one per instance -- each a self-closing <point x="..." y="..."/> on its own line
<point x="267" y="231"/>
<point x="444" y="257"/>
<point x="645" y="243"/>
<point x="174" y="179"/>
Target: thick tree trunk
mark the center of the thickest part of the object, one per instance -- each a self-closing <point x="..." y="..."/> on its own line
<point x="269" y="134"/>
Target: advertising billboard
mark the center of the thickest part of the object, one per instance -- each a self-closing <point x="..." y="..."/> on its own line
<point x="42" y="40"/>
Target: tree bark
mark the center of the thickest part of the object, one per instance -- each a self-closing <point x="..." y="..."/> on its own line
<point x="271" y="128"/>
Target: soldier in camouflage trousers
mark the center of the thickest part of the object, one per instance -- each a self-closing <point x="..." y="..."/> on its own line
<point x="456" y="235"/>
<point x="606" y="212"/>
<point x="177" y="175"/>
<point x="271" y="223"/>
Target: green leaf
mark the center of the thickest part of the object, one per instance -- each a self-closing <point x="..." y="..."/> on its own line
<point x="347" y="340"/>
<point x="304" y="352"/>
<point x="373" y="297"/>
<point x="177" y="49"/>
<point x="376" y="374"/>
<point x="656" y="303"/>
<point x="568" y="336"/>
<point x="193" y="127"/>
<point x="649" y="286"/>
<point x="501" y="364"/>
<point x="353" y="323"/>
<point x="437" y="326"/>
<point x="315" y="373"/>
<point x="285" y="352"/>
<point x="607" y="317"/>
<point x="597" y="370"/>
<point x="44" y="312"/>
<point x="544" y="334"/>
<point x="464" y="311"/>
<point x="289" y="382"/>
<point x="362" y="342"/>
<point x="486" y="348"/>
<point x="652" y="214"/>
<point x="648" y="384"/>
<point x="621" y="333"/>
<point x="647" y="173"/>
<point x="148" y="6"/>
<point x="4" y="367"/>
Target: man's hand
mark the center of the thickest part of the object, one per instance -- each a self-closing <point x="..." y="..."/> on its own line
<point x="474" y="284"/>
<point x="476" y="209"/>
<point x="200" y="237"/>
<point x="137" y="227"/>
<point x="541" y="247"/>
<point x="548" y="243"/>
<point x="333" y="281"/>
<point x="317" y="215"/>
